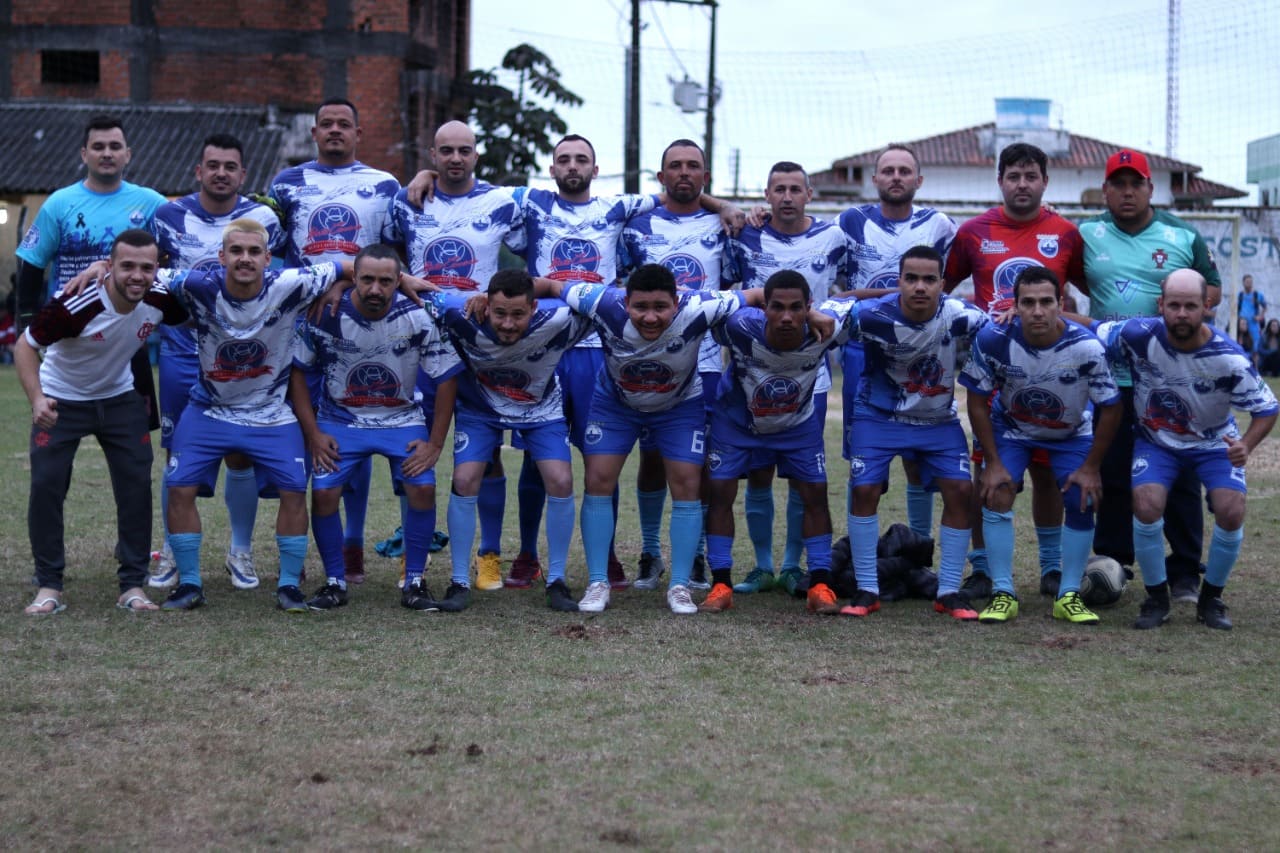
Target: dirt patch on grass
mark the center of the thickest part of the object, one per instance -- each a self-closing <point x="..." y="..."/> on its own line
<point x="1243" y="765"/>
<point x="578" y="631"/>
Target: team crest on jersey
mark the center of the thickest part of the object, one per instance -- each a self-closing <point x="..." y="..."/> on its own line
<point x="600" y="223"/>
<point x="709" y="241"/>
<point x="819" y="263"/>
<point x="371" y="384"/>
<point x="482" y="223"/>
<point x="136" y="218"/>
<point x="1167" y="411"/>
<point x="509" y="382"/>
<point x="450" y="260"/>
<point x="646" y="377"/>
<point x="1047" y="244"/>
<point x="593" y="433"/>
<point x="536" y="355"/>
<point x="1159" y="256"/>
<point x="333" y="228"/>
<point x="1068" y="377"/>
<point x="924" y="377"/>
<point x="366" y="191"/>
<point x="776" y="395"/>
<point x="574" y="259"/>
<point x="32" y="239"/>
<point x="675" y="345"/>
<point x="687" y="270"/>
<point x="145" y="330"/>
<point x="1038" y="407"/>
<point x="237" y="360"/>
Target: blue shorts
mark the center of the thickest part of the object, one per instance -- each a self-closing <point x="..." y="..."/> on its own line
<point x="1063" y="456"/>
<point x="475" y="437"/>
<point x="179" y="373"/>
<point x="678" y="433"/>
<point x="578" y="370"/>
<point x="940" y="449"/>
<point x="278" y="453"/>
<point x="1155" y="464"/>
<point x="356" y="445"/>
<point x="799" y="453"/>
<point x="710" y="384"/>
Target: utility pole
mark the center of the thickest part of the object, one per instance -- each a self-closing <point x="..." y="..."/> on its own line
<point x="711" y="93"/>
<point x="631" y="164"/>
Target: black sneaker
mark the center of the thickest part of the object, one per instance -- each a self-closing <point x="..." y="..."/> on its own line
<point x="698" y="574"/>
<point x="1186" y="588"/>
<point x="290" y="600"/>
<point x="185" y="596"/>
<point x="1213" y="613"/>
<point x="328" y="597"/>
<point x="1153" y="613"/>
<point x="560" y="598"/>
<point x="457" y="598"/>
<point x="416" y="596"/>
<point x="1049" y="583"/>
<point x="650" y="569"/>
<point x="976" y="586"/>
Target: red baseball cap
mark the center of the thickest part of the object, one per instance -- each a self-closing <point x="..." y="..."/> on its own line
<point x="1128" y="159"/>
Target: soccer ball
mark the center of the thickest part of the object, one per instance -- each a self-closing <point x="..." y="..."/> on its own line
<point x="1103" y="582"/>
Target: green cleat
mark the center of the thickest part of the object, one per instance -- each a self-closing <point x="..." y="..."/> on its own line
<point x="1003" y="608"/>
<point x="757" y="580"/>
<point x="791" y="580"/>
<point x="1071" y="608"/>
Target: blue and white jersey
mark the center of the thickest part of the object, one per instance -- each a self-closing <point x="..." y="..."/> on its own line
<point x="652" y="376"/>
<point x="1183" y="400"/>
<point x="876" y="243"/>
<point x="332" y="212"/>
<point x="767" y="391"/>
<point x="453" y="240"/>
<point x="245" y="345"/>
<point x="515" y="383"/>
<point x="190" y="237"/>
<point x="911" y="367"/>
<point x="692" y="246"/>
<point x="370" y="366"/>
<point x="1045" y="393"/>
<point x="576" y="242"/>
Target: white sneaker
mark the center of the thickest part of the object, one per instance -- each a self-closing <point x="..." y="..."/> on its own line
<point x="679" y="600"/>
<point x="240" y="567"/>
<point x="166" y="574"/>
<point x="596" y="598"/>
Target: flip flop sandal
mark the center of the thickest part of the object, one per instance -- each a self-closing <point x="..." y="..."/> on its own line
<point x="128" y="603"/>
<point x="58" y="606"/>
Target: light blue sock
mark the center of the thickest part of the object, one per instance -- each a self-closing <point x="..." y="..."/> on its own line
<point x="461" y="518"/>
<point x="818" y="549"/>
<point x="491" y="503"/>
<point x="1224" y="548"/>
<point x="864" y="532"/>
<point x="719" y="551"/>
<point x="795" y="532"/>
<point x="420" y="526"/>
<point x="240" y="491"/>
<point x="1050" y="540"/>
<point x="686" y="530"/>
<point x="997" y="532"/>
<point x="1076" y="545"/>
<point x="650" y="506"/>
<point x="978" y="561"/>
<point x="954" y="545"/>
<point x="531" y="494"/>
<point x="919" y="510"/>
<point x="758" y="508"/>
<point x="560" y="513"/>
<point x="293" y="552"/>
<point x="327" y="531"/>
<point x="1148" y="549"/>
<point x="186" y="556"/>
<point x="355" y="501"/>
<point x="597" y="530"/>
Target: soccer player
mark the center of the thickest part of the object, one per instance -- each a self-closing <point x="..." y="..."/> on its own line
<point x="994" y="248"/>
<point x="1129" y="250"/>
<point x="85" y="387"/>
<point x="1251" y="306"/>
<point x="369" y="351"/>
<point x="189" y="233"/>
<point x="511" y="383"/>
<point x="332" y="207"/>
<point x="651" y="333"/>
<point x="1187" y="376"/>
<point x="766" y="415"/>
<point x="817" y="250"/>
<point x="914" y="342"/>
<point x="1031" y="383"/>
<point x="245" y="318"/>
<point x="879" y="234"/>
<point x="453" y="240"/>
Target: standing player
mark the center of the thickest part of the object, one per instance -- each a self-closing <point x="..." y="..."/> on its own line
<point x="1251" y="306"/>
<point x="1047" y="371"/>
<point x="914" y="342"/>
<point x="333" y="206"/>
<point x="369" y="351"/>
<point x="1187" y="376"/>
<point x="1129" y="250"/>
<point x="189" y="233"/>
<point x="879" y="234"/>
<point x="511" y="383"/>
<point x="817" y="250"/>
<point x="452" y="240"/>
<point x="85" y="387"/>
<point x="994" y="248"/>
<point x="765" y="415"/>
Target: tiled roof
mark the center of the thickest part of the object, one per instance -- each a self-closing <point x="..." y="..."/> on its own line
<point x="41" y="141"/>
<point x="1198" y="187"/>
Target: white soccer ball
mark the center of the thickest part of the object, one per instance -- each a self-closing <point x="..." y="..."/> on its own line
<point x="1103" y="582"/>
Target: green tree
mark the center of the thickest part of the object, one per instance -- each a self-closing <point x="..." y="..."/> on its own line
<point x="514" y="127"/>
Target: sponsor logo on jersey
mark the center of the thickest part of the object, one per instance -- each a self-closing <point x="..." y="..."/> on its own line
<point x="237" y="360"/>
<point x="993" y="247"/>
<point x="371" y="384"/>
<point x="509" y="382"/>
<point x="924" y="377"/>
<point x="333" y="228"/>
<point x="1002" y="282"/>
<point x="449" y="262"/>
<point x="1167" y="411"/>
<point x="887" y="280"/>
<point x="1038" y="407"/>
<point x="776" y="395"/>
<point x="574" y="259"/>
<point x="687" y="270"/>
<point x="145" y="330"/>
<point x="646" y="377"/>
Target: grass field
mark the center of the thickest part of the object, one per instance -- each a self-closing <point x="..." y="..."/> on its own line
<point x="513" y="727"/>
